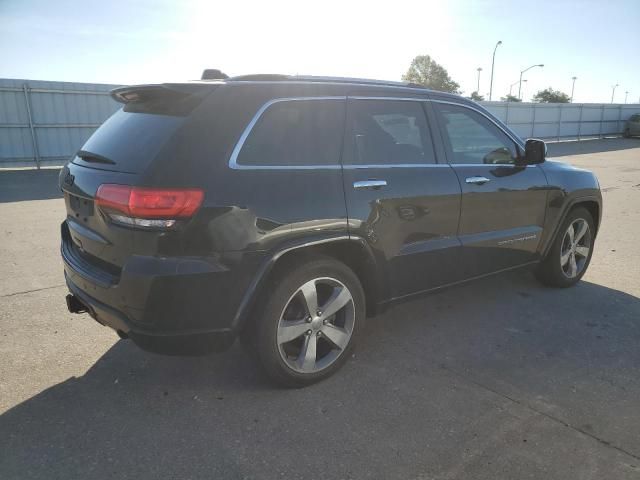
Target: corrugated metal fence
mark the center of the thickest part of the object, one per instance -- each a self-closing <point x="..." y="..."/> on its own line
<point x="557" y="121"/>
<point x="44" y="123"/>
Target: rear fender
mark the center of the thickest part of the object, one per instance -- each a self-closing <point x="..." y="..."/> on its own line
<point x="311" y="245"/>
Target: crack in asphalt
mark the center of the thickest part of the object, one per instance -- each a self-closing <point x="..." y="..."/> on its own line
<point x="539" y="412"/>
<point x="31" y="291"/>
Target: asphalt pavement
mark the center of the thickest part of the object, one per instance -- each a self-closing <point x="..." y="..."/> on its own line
<point x="497" y="379"/>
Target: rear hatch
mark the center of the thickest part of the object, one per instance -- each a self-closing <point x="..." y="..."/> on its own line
<point x="120" y="152"/>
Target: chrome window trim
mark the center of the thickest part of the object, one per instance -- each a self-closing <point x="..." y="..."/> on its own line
<point x="233" y="160"/>
<point x="402" y="99"/>
<point x="493" y="165"/>
<point x="355" y="166"/>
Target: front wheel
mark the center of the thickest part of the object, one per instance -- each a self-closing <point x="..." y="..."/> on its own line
<point x="570" y="254"/>
<point x="306" y="326"/>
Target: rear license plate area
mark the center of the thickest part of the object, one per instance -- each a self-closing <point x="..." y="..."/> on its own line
<point x="81" y="207"/>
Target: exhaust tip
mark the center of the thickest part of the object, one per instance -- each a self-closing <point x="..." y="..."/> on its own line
<point x="74" y="305"/>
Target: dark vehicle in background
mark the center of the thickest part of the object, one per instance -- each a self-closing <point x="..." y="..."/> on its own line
<point x="632" y="126"/>
<point x="285" y="210"/>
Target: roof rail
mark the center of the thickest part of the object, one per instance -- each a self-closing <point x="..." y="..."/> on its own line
<point x="313" y="78"/>
<point x="321" y="79"/>
<point x="260" y="77"/>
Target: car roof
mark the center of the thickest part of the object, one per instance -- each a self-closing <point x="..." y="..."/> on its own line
<point x="364" y="84"/>
<point x="305" y="85"/>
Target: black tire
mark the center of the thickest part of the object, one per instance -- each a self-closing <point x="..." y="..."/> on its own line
<point x="262" y="331"/>
<point x="551" y="272"/>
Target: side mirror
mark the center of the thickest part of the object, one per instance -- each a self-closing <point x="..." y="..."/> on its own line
<point x="535" y="151"/>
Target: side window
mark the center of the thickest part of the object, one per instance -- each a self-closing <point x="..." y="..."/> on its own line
<point x="472" y="139"/>
<point x="295" y="133"/>
<point x="387" y="132"/>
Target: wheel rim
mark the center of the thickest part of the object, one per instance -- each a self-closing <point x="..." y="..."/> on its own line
<point x="575" y="248"/>
<point x="316" y="325"/>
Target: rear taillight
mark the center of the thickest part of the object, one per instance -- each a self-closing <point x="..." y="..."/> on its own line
<point x="147" y="207"/>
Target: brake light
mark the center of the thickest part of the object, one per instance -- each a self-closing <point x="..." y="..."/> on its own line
<point x="147" y="207"/>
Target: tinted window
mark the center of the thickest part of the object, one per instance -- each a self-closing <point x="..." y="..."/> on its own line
<point x="130" y="140"/>
<point x="296" y="132"/>
<point x="387" y="132"/>
<point x="471" y="138"/>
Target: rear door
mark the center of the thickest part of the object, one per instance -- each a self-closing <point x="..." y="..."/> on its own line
<point x="503" y="203"/>
<point x="399" y="199"/>
<point x="286" y="175"/>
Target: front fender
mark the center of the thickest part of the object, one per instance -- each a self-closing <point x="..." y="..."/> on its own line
<point x="569" y="186"/>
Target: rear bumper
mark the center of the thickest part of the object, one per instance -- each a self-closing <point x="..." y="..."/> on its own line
<point x="173" y="343"/>
<point x="172" y="305"/>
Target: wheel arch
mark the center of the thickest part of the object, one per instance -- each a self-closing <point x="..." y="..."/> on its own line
<point x="593" y="206"/>
<point x="352" y="251"/>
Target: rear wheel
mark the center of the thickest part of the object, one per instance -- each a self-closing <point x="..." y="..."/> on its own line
<point x="569" y="256"/>
<point x="305" y="328"/>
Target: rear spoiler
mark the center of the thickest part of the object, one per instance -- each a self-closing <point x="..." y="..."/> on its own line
<point x="162" y="91"/>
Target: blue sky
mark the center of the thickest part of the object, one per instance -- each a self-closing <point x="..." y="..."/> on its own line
<point x="141" y="41"/>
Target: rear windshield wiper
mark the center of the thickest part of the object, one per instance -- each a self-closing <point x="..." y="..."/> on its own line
<point x="94" y="158"/>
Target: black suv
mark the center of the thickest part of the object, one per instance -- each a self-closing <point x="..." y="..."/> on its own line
<point x="284" y="210"/>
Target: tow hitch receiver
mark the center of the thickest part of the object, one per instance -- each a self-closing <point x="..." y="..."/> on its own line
<point x="74" y="305"/>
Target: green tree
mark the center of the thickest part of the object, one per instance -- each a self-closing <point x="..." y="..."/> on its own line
<point x="549" y="95"/>
<point x="425" y="71"/>
<point x="510" y="98"/>
<point x="476" y="97"/>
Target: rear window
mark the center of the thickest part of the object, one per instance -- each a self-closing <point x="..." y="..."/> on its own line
<point x="128" y="142"/>
<point x="296" y="133"/>
<point x="132" y="138"/>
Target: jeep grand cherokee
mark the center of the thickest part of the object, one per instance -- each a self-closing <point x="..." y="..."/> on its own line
<point x="284" y="210"/>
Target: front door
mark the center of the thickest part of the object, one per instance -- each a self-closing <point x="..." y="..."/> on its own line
<point x="404" y="204"/>
<point x="503" y="203"/>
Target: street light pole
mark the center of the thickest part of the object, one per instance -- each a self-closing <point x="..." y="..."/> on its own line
<point x="532" y="66"/>
<point x="517" y="81"/>
<point x="573" y="86"/>
<point x="625" y="97"/>
<point x="478" y="89"/>
<point x="524" y="80"/>
<point x="493" y="61"/>
<point x="613" y="91"/>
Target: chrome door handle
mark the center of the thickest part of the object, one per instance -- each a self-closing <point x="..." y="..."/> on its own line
<point x="477" y="180"/>
<point x="369" y="184"/>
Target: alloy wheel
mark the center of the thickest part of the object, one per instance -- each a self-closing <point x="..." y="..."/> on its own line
<point x="316" y="325"/>
<point x="575" y="248"/>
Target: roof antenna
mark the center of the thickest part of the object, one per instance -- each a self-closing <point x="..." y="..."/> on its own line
<point x="213" y="74"/>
